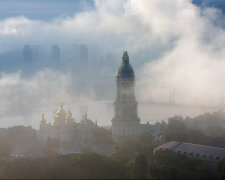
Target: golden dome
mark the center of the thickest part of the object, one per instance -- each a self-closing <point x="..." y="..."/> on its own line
<point x="85" y="120"/>
<point x="69" y="117"/>
<point x="61" y="112"/>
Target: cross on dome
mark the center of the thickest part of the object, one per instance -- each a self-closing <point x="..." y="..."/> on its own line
<point x="61" y="105"/>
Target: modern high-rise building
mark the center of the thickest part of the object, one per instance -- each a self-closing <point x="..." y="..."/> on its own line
<point x="76" y="54"/>
<point x="93" y="52"/>
<point x="126" y="122"/>
<point x="27" y="54"/>
<point x="83" y="55"/>
<point x="56" y="55"/>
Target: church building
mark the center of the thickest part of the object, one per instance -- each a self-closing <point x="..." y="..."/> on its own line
<point x="65" y="128"/>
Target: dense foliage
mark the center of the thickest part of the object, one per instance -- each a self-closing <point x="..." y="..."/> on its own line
<point x="76" y="166"/>
<point x="170" y="165"/>
<point x="206" y="129"/>
<point x="133" y="158"/>
<point x="16" y="137"/>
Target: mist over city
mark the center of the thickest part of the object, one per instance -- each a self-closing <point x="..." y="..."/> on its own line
<point x="90" y="43"/>
<point x="126" y="80"/>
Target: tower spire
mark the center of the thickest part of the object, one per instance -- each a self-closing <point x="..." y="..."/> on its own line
<point x="61" y="104"/>
<point x="42" y="121"/>
<point x="125" y="58"/>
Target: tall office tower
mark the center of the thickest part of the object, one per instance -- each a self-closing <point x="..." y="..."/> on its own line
<point x="83" y="71"/>
<point x="56" y="55"/>
<point x="125" y="122"/>
<point x="93" y="52"/>
<point x="76" y="51"/>
<point x="27" y="55"/>
<point x="93" y="64"/>
<point x="83" y="56"/>
<point x="74" y="64"/>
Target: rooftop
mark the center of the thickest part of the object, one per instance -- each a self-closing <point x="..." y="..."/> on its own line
<point x="125" y="70"/>
<point x="194" y="150"/>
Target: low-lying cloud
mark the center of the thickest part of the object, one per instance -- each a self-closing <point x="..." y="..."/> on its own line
<point x="173" y="46"/>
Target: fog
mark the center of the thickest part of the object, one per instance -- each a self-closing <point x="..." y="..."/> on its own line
<point x="175" y="47"/>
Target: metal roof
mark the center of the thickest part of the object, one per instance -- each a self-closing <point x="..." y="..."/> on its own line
<point x="194" y="150"/>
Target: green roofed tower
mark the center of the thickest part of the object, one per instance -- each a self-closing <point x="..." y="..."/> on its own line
<point x="125" y="71"/>
<point x="125" y="122"/>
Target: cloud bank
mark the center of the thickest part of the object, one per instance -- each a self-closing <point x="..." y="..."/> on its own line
<point x="173" y="46"/>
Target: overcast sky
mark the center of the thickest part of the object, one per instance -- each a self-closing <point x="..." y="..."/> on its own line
<point x="43" y="9"/>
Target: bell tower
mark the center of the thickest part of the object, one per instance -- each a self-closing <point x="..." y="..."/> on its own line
<point x="125" y="122"/>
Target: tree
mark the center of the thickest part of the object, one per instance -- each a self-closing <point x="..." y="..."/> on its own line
<point x="171" y="165"/>
<point x="101" y="136"/>
<point x="146" y="138"/>
<point x="140" y="167"/>
<point x="5" y="148"/>
<point x="129" y="148"/>
<point x="221" y="169"/>
<point x="51" y="147"/>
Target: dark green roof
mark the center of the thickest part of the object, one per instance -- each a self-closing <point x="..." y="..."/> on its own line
<point x="125" y="70"/>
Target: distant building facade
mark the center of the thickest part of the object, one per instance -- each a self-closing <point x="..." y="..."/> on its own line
<point x="64" y="128"/>
<point x="126" y="122"/>
<point x="83" y="55"/>
<point x="56" y="55"/>
<point x="27" y="54"/>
